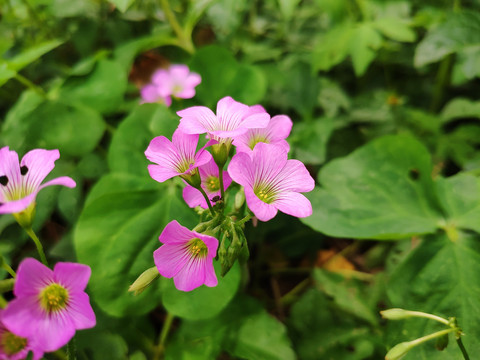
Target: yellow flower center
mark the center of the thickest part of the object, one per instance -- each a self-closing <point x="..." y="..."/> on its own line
<point x="213" y="183"/>
<point x="257" y="138"/>
<point x="265" y="194"/>
<point x="11" y="343"/>
<point x="54" y="298"/>
<point x="197" y="248"/>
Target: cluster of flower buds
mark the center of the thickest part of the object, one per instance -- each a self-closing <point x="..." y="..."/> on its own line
<point x="176" y="81"/>
<point x="49" y="305"/>
<point x="252" y="147"/>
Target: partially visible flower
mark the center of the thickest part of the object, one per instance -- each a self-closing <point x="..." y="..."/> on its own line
<point x="49" y="305"/>
<point x="272" y="182"/>
<point x="178" y="157"/>
<point x="187" y="256"/>
<point x="21" y="182"/>
<point x="150" y="94"/>
<point x="210" y="183"/>
<point x="232" y="119"/>
<point x="276" y="132"/>
<point x="14" y="347"/>
<point x="177" y="80"/>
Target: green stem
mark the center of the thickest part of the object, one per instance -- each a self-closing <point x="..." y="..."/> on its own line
<point x="220" y="179"/>
<point x="71" y="351"/>
<point x="432" y="336"/>
<point x="442" y="81"/>
<point x="428" y="316"/>
<point x="207" y="200"/>
<point x="9" y="269"/>
<point x="160" y="348"/>
<point x="38" y="244"/>
<point x="244" y="220"/>
<point x="185" y="42"/>
<point x="462" y="349"/>
<point x="29" y="84"/>
<point x="3" y="302"/>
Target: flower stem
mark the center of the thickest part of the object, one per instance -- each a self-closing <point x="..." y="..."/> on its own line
<point x="244" y="220"/>
<point x="207" y="200"/>
<point x="9" y="269"/>
<point x="220" y="179"/>
<point x="160" y="348"/>
<point x="432" y="336"/>
<point x="429" y="316"/>
<point x="184" y="41"/>
<point x="462" y="349"/>
<point x="29" y="84"/>
<point x="38" y="244"/>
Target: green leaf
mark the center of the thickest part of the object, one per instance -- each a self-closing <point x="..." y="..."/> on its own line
<point x="333" y="47"/>
<point x="102" y="90"/>
<point x="30" y="55"/>
<point x="363" y="45"/>
<point x="288" y="7"/>
<point x="6" y="73"/>
<point x="395" y="29"/>
<point x="122" y="5"/>
<point x="310" y="140"/>
<point x="245" y="83"/>
<point x="460" y="198"/>
<point x="54" y="125"/>
<point x="203" y="302"/>
<point x="117" y="233"/>
<point x="346" y="294"/>
<point x="460" y="31"/>
<point x="440" y="277"/>
<point x="460" y="108"/>
<point x="126" y="153"/>
<point x="382" y="191"/>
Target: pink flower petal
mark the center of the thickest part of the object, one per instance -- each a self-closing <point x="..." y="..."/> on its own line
<point x="149" y="94"/>
<point x="54" y="331"/>
<point x="62" y="180"/>
<point x="295" y="204"/>
<point x="170" y="258"/>
<point x="175" y="233"/>
<point x="9" y="167"/>
<point x="80" y="311"/>
<point x="16" y="206"/>
<point x="40" y="163"/>
<point x="268" y="160"/>
<point x="192" y="275"/>
<point x="210" y="276"/>
<point x="32" y="277"/>
<point x="22" y="315"/>
<point x="72" y="276"/>
<point x="262" y="210"/>
<point x="193" y="197"/>
<point x="280" y="127"/>
<point x="241" y="170"/>
<point x="295" y="177"/>
<point x="160" y="173"/>
<point x="197" y="120"/>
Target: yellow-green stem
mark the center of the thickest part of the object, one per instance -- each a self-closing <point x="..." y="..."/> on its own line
<point x="38" y="244"/>
<point x="160" y="348"/>
<point x="207" y="200"/>
<point x="9" y="269"/>
<point x="184" y="41"/>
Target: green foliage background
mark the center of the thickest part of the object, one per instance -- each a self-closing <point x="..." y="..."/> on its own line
<point x="384" y="100"/>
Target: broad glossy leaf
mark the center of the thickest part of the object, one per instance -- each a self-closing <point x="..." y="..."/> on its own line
<point x="332" y="48"/>
<point x="203" y="302"/>
<point x="364" y="42"/>
<point x="116" y="235"/>
<point x="54" y="125"/>
<point x="30" y="55"/>
<point x="395" y="29"/>
<point x="310" y="140"/>
<point x="131" y="139"/>
<point x="382" y="191"/>
<point x="439" y="277"/>
<point x="460" y="31"/>
<point x="460" y="108"/>
<point x="102" y="90"/>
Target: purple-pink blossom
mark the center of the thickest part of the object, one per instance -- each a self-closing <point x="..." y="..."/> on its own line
<point x="272" y="182"/>
<point x="178" y="157"/>
<point x="150" y="94"/>
<point x="276" y="132"/>
<point x="14" y="347"/>
<point x="21" y="182"/>
<point x="177" y="80"/>
<point x="187" y="256"/>
<point x="210" y="182"/>
<point x="232" y="119"/>
<point x="49" y="305"/>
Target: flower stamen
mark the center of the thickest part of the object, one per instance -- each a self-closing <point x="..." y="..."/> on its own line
<point x="11" y="343"/>
<point x="54" y="298"/>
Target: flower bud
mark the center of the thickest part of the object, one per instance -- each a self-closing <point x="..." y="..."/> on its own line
<point x="144" y="280"/>
<point x="395" y="314"/>
<point x="220" y="154"/>
<point x="239" y="198"/>
<point x="398" y="351"/>
<point x="442" y="342"/>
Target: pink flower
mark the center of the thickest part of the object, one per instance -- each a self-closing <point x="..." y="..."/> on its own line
<point x="150" y="94"/>
<point x="276" y="132"/>
<point x="272" y="182"/>
<point x="14" y="347"/>
<point x="177" y="80"/>
<point x="232" y="119"/>
<point x="49" y="305"/>
<point x="175" y="158"/>
<point x="187" y="256"/>
<point x="21" y="182"/>
<point x="210" y="183"/>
